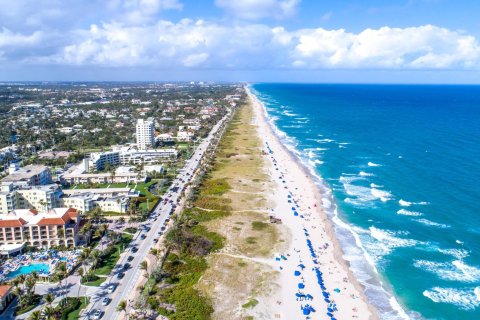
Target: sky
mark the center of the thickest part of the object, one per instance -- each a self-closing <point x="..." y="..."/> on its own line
<point x="335" y="41"/>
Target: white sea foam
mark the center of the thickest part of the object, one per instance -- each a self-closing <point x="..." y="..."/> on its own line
<point x="466" y="299"/>
<point x="372" y="164"/>
<point x="404" y="203"/>
<point x="365" y="174"/>
<point x="289" y="114"/>
<point x="324" y="140"/>
<point x="409" y="213"/>
<point x="432" y="223"/>
<point x="380" y="243"/>
<point x="383" y="195"/>
<point x="456" y="270"/>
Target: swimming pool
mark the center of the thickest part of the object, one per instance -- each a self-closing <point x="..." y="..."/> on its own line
<point x="38" y="267"/>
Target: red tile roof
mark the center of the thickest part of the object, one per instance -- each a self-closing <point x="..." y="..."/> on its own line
<point x="11" y="223"/>
<point x="71" y="213"/>
<point x="4" y="290"/>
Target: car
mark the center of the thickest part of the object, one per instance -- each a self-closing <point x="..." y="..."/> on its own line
<point x="126" y="266"/>
<point x="143" y="236"/>
<point x="134" y="249"/>
<point x="96" y="314"/>
<point x="155" y="240"/>
<point x="120" y="275"/>
<point x="168" y="219"/>
<point x="111" y="288"/>
<point x="105" y="301"/>
<point x="162" y="228"/>
<point x="130" y="258"/>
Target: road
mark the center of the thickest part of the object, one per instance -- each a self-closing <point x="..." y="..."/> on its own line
<point x="124" y="287"/>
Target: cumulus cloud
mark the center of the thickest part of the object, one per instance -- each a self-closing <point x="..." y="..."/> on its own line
<point x="134" y="35"/>
<point x="203" y="44"/>
<point x="257" y="9"/>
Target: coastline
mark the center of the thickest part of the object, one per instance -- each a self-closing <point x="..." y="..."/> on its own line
<point x="330" y="258"/>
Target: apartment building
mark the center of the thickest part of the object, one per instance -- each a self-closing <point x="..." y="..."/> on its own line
<point x="31" y="175"/>
<point x="40" y="197"/>
<point x="145" y="134"/>
<point x="98" y="160"/>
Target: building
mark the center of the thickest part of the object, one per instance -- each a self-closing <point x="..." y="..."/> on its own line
<point x="58" y="226"/>
<point x="98" y="160"/>
<point x="31" y="175"/>
<point x="6" y="296"/>
<point x="145" y="134"/>
<point x="82" y="178"/>
<point x="184" y="136"/>
<point x="42" y="197"/>
<point x="147" y="156"/>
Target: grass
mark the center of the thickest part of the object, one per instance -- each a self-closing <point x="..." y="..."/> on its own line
<point x="109" y="261"/>
<point x="75" y="314"/>
<point x="131" y="230"/>
<point x="259" y="226"/>
<point x="95" y="283"/>
<point x="250" y="304"/>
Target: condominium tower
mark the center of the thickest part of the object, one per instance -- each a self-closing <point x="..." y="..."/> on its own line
<point x="144" y="134"/>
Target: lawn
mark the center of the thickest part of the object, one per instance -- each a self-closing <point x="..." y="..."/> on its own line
<point x="95" y="283"/>
<point x="110" y="260"/>
<point x="142" y="188"/>
<point x="75" y="314"/>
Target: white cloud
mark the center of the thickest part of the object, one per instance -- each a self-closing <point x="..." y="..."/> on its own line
<point x="415" y="47"/>
<point x="257" y="9"/>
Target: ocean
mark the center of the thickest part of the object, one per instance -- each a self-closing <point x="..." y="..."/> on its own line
<point x="400" y="169"/>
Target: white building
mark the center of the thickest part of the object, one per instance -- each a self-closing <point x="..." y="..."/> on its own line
<point x="144" y="133"/>
<point x="98" y="160"/>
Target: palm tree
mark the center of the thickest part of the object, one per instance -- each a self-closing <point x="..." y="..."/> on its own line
<point x="49" y="312"/>
<point x="95" y="259"/>
<point x="122" y="306"/>
<point x="144" y="266"/>
<point x="43" y="204"/>
<point x="35" y="315"/>
<point x="49" y="298"/>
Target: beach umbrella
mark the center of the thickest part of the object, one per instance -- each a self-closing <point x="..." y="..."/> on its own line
<point x="301" y="286"/>
<point x="306" y="311"/>
<point x="297" y="273"/>
<point x="330" y="309"/>
<point x="326" y="300"/>
<point x="301" y="266"/>
<point x="325" y="294"/>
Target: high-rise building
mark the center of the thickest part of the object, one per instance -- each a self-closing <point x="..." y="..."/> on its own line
<point x="144" y="134"/>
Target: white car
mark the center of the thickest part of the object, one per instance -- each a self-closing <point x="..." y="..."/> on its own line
<point x="97" y="314"/>
<point x="105" y="301"/>
<point x="111" y="288"/>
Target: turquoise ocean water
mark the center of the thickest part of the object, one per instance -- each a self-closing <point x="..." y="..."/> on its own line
<point x="400" y="168"/>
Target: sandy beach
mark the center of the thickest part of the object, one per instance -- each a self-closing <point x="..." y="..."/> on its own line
<point x="314" y="280"/>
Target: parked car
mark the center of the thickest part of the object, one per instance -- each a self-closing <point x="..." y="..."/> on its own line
<point x="130" y="258"/>
<point x="143" y="236"/>
<point x="111" y="288"/>
<point x="134" y="249"/>
<point x="121" y="275"/>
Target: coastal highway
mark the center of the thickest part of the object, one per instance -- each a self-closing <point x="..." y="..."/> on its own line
<point x="125" y="286"/>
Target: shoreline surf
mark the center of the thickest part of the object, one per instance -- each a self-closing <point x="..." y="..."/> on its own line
<point x="351" y="254"/>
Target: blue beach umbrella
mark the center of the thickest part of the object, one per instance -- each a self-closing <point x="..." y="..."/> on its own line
<point x="301" y="286"/>
<point x="297" y="273"/>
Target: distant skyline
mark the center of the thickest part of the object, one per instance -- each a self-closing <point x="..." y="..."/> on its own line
<point x="369" y="41"/>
